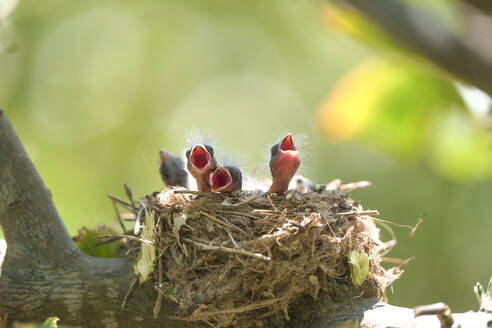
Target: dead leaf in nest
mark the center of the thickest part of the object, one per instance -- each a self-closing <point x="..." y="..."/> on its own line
<point x="179" y="220"/>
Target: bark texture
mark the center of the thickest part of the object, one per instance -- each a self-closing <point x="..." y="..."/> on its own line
<point x="42" y="272"/>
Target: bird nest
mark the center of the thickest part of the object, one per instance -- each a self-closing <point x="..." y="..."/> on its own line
<point x="244" y="260"/>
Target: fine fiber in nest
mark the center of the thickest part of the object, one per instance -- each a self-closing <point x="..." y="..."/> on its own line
<point x="243" y="260"/>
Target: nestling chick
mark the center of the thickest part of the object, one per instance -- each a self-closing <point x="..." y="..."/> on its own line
<point x="226" y="179"/>
<point x="284" y="162"/>
<point x="201" y="163"/>
<point x="172" y="170"/>
<point x="302" y="184"/>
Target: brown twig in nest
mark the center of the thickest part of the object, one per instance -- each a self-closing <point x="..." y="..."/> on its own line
<point x="227" y="249"/>
<point x="241" y="309"/>
<point x="123" y="203"/>
<point x="229" y="225"/>
<point x="141" y="240"/>
<point x="356" y="213"/>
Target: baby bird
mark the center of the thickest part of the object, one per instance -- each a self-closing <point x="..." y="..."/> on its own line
<point x="201" y="163"/>
<point x="284" y="162"/>
<point x="172" y="170"/>
<point x="226" y="179"/>
<point x="302" y="185"/>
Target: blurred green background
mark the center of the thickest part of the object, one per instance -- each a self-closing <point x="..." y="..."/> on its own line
<point x="95" y="88"/>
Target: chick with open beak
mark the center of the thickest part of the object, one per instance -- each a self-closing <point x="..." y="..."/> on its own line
<point x="284" y="162"/>
<point x="172" y="170"/>
<point x="201" y="163"/>
<point x="226" y="179"/>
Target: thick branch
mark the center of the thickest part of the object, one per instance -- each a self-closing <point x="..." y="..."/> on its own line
<point x="483" y="5"/>
<point x="43" y="272"/>
<point x="28" y="216"/>
<point x="414" y="29"/>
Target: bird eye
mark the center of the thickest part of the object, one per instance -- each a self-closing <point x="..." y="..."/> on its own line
<point x="274" y="150"/>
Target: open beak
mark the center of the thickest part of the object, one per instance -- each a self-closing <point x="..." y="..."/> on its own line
<point x="220" y="179"/>
<point x="286" y="146"/>
<point x="283" y="164"/>
<point x="200" y="157"/>
<point x="287" y="153"/>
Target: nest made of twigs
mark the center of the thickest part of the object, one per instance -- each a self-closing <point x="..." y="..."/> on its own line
<point x="242" y="260"/>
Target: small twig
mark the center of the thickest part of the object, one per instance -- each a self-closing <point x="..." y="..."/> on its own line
<point x="354" y="185"/>
<point x="108" y="241"/>
<point x="275" y="224"/>
<point x="192" y="192"/>
<point x="394" y="224"/>
<point x="129" y="291"/>
<point x="399" y="262"/>
<point x="266" y="212"/>
<point x="244" y="264"/>
<point x="248" y="200"/>
<point x="113" y="200"/>
<point x="370" y="212"/>
<point x="240" y="214"/>
<point x="123" y="204"/>
<point x="263" y="221"/>
<point x="209" y="323"/>
<point x="141" y="211"/>
<point x="226" y="249"/>
<point x="443" y="312"/>
<point x="271" y="203"/>
<point x="232" y="239"/>
<point x="229" y="225"/>
<point x="143" y="241"/>
<point x="387" y="246"/>
<point x="158" y="302"/>
<point x="240" y="309"/>
<point x="331" y="229"/>
<point x="129" y="194"/>
<point x="410" y="236"/>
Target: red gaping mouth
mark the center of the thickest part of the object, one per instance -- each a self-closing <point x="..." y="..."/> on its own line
<point x="220" y="179"/>
<point x="200" y="157"/>
<point x="287" y="144"/>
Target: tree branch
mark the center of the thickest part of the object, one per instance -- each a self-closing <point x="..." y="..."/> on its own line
<point x="42" y="273"/>
<point x="27" y="212"/>
<point x="416" y="30"/>
<point x="374" y="313"/>
<point x="484" y="5"/>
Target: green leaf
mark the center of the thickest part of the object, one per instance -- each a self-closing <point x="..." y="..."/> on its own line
<point x="387" y="105"/>
<point x="144" y="265"/>
<point x="359" y="267"/>
<point x="51" y="322"/>
<point x="86" y="240"/>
